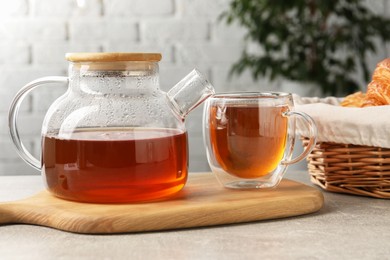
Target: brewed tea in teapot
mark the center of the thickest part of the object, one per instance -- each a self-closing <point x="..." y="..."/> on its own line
<point x="114" y="136"/>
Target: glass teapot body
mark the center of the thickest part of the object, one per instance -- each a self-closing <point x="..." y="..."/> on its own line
<point x="117" y="94"/>
<point x="114" y="136"/>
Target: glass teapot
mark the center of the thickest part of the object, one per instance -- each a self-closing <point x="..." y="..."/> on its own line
<point x="114" y="136"/>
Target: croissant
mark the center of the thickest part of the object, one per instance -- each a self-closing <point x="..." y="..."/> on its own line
<point x="378" y="90"/>
<point x="354" y="100"/>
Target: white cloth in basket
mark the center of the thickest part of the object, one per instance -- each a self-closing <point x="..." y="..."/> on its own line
<point x="369" y="126"/>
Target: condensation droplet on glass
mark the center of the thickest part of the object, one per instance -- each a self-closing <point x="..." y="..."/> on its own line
<point x="139" y="82"/>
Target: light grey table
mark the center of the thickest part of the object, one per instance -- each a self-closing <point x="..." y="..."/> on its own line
<point x="347" y="227"/>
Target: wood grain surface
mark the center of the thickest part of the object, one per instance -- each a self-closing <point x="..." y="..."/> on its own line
<point x="203" y="202"/>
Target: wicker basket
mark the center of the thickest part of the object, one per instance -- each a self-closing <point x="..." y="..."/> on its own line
<point x="353" y="169"/>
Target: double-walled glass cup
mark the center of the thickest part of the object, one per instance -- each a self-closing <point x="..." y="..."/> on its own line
<point x="249" y="138"/>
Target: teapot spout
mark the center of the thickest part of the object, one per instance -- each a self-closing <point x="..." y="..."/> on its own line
<point x="191" y="91"/>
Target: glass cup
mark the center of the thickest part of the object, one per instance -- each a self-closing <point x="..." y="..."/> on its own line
<point x="249" y="138"/>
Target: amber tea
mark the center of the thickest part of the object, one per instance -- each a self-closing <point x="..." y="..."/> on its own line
<point x="119" y="165"/>
<point x="248" y="141"/>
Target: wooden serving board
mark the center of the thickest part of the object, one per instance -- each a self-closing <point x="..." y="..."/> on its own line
<point x="203" y="202"/>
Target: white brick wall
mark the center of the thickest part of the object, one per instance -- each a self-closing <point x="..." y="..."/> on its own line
<point x="35" y="35"/>
<point x="139" y="8"/>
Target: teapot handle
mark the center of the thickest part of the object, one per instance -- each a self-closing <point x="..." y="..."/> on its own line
<point x="13" y="114"/>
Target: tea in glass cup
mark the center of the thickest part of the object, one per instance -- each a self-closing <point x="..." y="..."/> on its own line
<point x="250" y="137"/>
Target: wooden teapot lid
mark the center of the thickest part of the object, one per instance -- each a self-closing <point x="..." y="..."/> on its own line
<point x="112" y="56"/>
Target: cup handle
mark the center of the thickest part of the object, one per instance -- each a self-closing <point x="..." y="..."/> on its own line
<point x="312" y="136"/>
<point x="13" y="114"/>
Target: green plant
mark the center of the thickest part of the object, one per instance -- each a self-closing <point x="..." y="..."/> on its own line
<point x="323" y="42"/>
